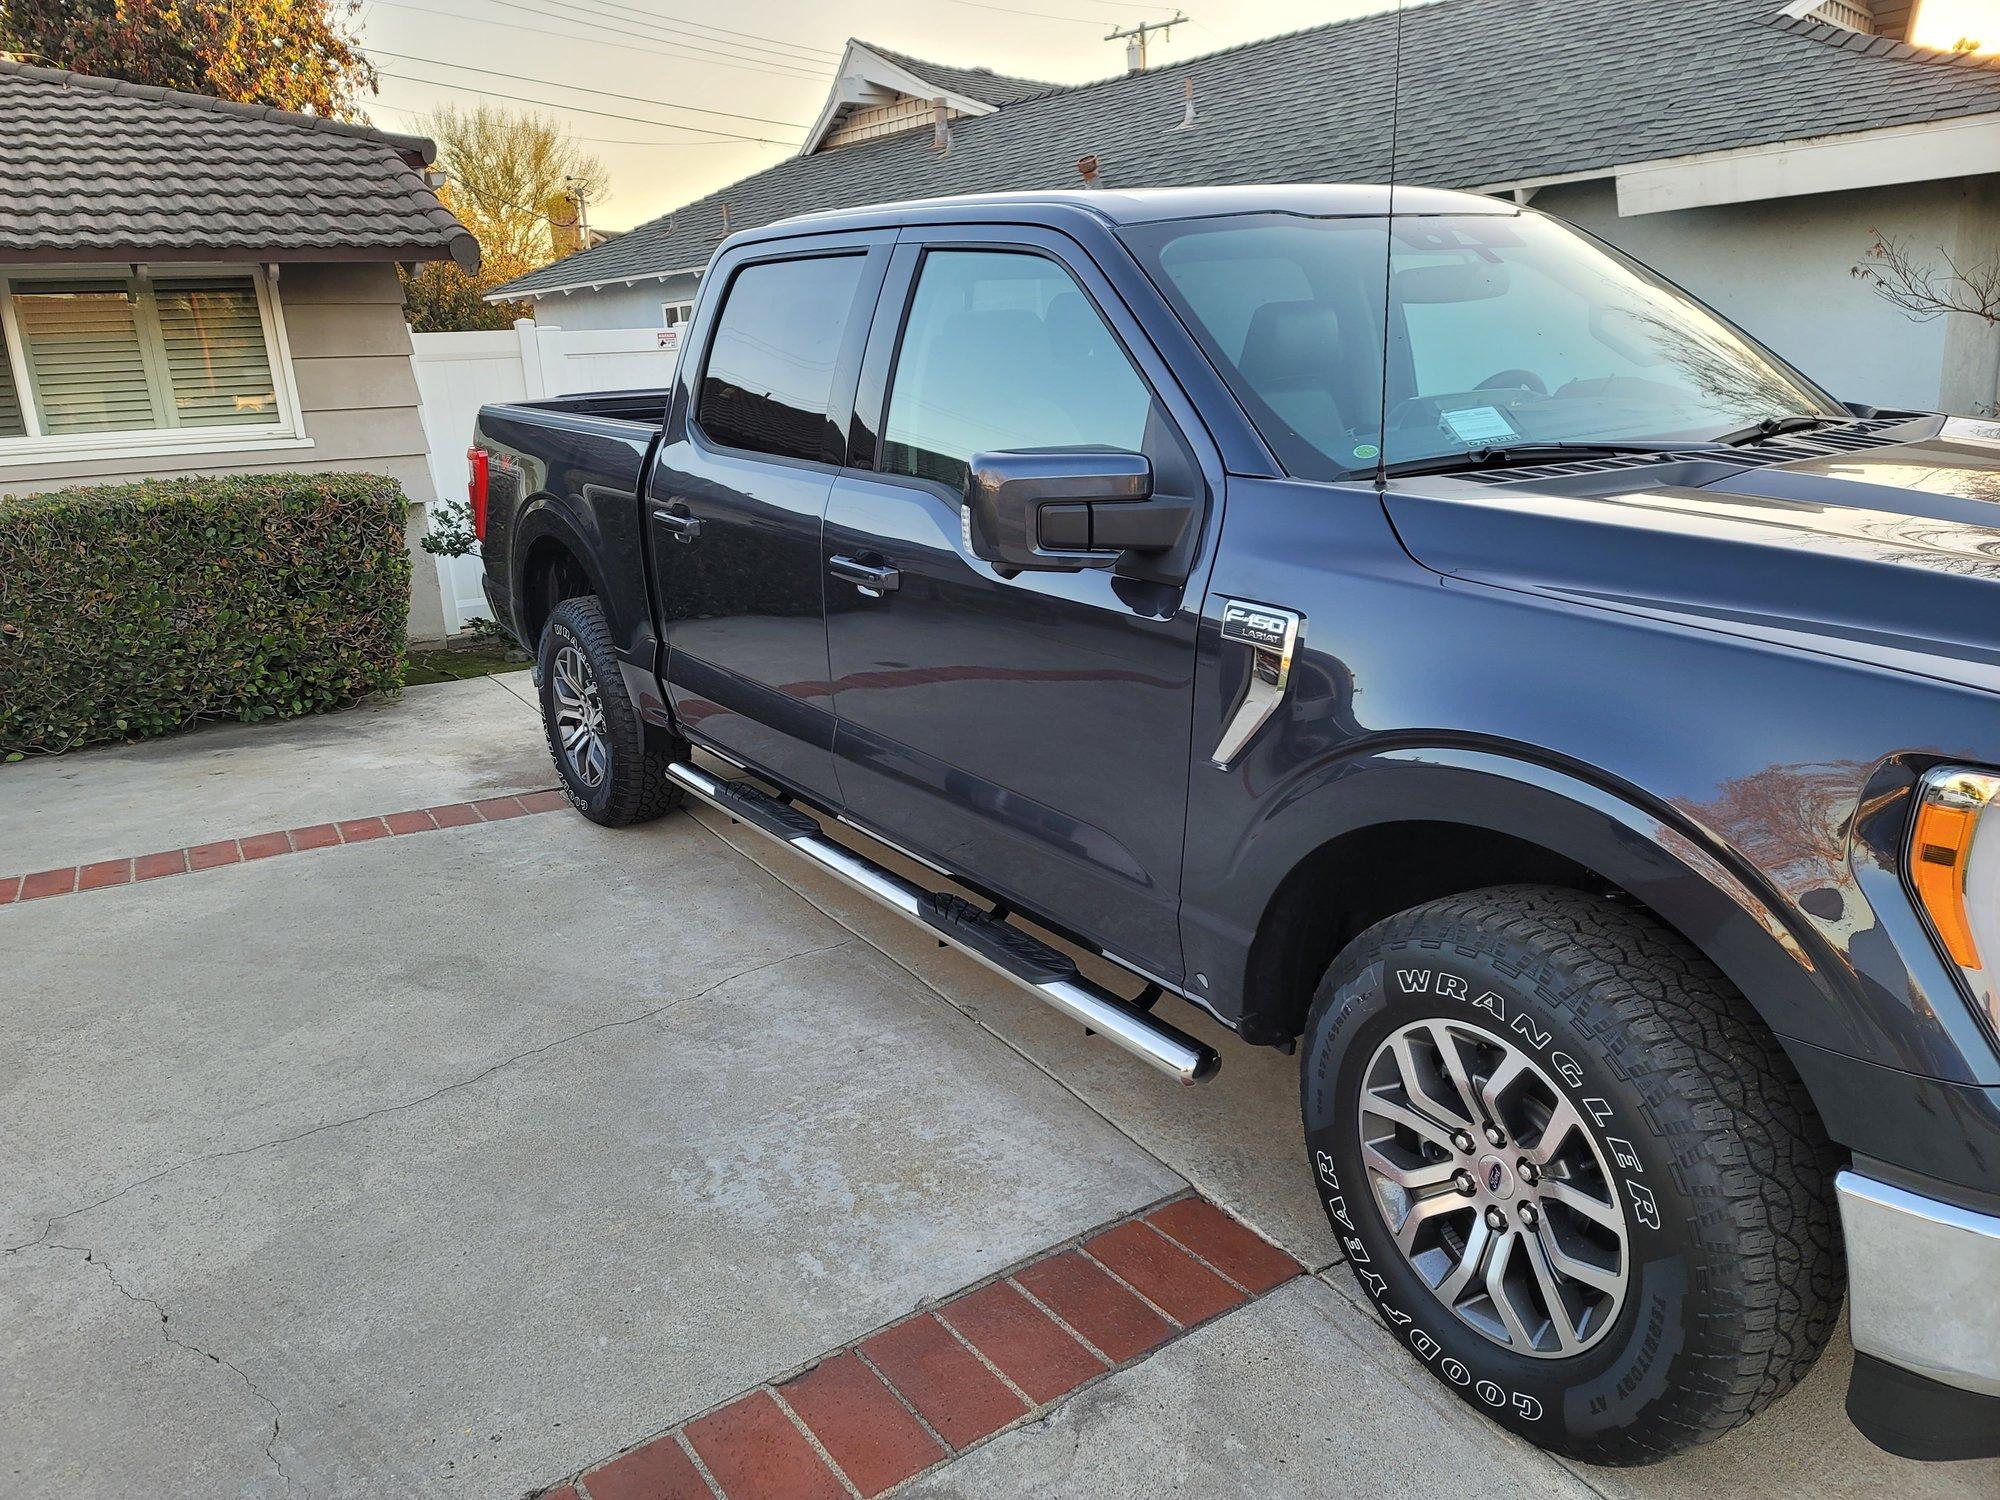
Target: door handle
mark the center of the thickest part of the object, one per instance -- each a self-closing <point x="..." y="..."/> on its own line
<point x="684" y="527"/>
<point x="873" y="579"/>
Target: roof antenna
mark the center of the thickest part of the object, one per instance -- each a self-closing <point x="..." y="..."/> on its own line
<point x="1087" y="166"/>
<point x="940" y="126"/>
<point x="1187" y="114"/>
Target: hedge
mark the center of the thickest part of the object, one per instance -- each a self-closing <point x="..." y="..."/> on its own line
<point x="137" y="609"/>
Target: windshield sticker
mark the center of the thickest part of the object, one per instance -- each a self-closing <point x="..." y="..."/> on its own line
<point x="1366" y="451"/>
<point x="1480" y="426"/>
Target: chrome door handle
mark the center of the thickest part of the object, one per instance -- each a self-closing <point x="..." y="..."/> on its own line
<point x="1272" y="634"/>
<point x="873" y="579"/>
<point x="685" y="528"/>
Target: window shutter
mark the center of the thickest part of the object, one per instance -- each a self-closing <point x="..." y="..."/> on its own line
<point x="217" y="368"/>
<point x="11" y="422"/>
<point x="84" y="357"/>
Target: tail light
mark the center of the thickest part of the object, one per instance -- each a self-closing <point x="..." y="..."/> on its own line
<point x="475" y="489"/>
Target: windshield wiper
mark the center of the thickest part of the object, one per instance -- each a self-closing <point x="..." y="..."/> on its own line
<point x="1524" y="453"/>
<point x="1770" y="427"/>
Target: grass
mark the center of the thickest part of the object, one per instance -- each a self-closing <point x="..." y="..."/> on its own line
<point x="460" y="663"/>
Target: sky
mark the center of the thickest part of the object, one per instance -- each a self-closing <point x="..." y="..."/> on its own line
<point x="664" y="91"/>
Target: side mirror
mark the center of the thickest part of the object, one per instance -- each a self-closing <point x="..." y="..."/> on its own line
<point x="1062" y="509"/>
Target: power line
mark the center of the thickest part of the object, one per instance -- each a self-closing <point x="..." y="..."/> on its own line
<point x="609" y="9"/>
<point x="596" y="22"/>
<point x="578" y="109"/>
<point x="673" y="22"/>
<point x="415" y="115"/>
<point x="590" y="41"/>
<point x="582" y="89"/>
<point x="1040" y="14"/>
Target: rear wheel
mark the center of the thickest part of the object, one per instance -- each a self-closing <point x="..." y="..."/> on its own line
<point x="612" y="764"/>
<point x="1572" y="1172"/>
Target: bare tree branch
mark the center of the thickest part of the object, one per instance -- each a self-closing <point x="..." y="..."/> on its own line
<point x="1923" y="290"/>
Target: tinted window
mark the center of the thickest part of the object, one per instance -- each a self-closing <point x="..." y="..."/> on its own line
<point x="1003" y="351"/>
<point x="770" y="368"/>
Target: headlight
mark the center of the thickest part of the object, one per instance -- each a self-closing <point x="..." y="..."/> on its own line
<point x="1954" y="865"/>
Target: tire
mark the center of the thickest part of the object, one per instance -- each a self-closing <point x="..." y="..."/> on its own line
<point x="1691" y="1138"/>
<point x="618" y="776"/>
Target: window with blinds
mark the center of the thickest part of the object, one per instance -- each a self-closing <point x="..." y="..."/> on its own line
<point x="137" y="354"/>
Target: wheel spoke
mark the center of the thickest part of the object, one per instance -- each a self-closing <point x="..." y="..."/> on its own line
<point x="1502" y="1296"/>
<point x="1422" y="1212"/>
<point x="1563" y="1122"/>
<point x="1401" y="1114"/>
<point x="1575" y="1267"/>
<point x="1494" y="1089"/>
<point x="1466" y="1272"/>
<point x="1418" y="1088"/>
<point x="1570" y="1196"/>
<point x="1454" y="1069"/>
<point x="1430" y="1176"/>
<point x="1560" y="1322"/>
<point x="574" y="738"/>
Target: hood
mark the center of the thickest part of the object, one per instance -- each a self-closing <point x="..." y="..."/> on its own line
<point x="1889" y="555"/>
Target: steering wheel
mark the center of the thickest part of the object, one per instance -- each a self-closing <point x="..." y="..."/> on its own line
<point x="1514" y="380"/>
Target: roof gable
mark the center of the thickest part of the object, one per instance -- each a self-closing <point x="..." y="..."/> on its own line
<point x="875" y="80"/>
<point x="101" y="169"/>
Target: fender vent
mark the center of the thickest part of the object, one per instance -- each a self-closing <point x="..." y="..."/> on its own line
<point x="1849" y="438"/>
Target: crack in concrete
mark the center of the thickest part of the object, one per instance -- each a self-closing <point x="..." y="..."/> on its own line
<point x="91" y="1257"/>
<point x="49" y="1226"/>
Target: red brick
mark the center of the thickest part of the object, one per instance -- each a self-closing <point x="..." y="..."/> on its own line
<point x="104" y="873"/>
<point x="943" y="1380"/>
<point x="1022" y="1341"/>
<point x="10" y="888"/>
<point x="754" y="1451"/>
<point x="48" y="883"/>
<point x="360" y="830"/>
<point x="318" y="836"/>
<point x="658" y="1471"/>
<point x="208" y="856"/>
<point x="871" y="1437"/>
<point x="1234" y="1249"/>
<point x="1095" y="1306"/>
<point x="166" y="862"/>
<point x="563" y="1492"/>
<point x="264" y="845"/>
<point x="1164" y="1274"/>
<point x="541" y="802"/>
<point x="493" y="809"/>
<point x="410" y="822"/>
<point x="454" y="815"/>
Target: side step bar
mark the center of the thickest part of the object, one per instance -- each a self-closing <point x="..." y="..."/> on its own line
<point x="1045" y="972"/>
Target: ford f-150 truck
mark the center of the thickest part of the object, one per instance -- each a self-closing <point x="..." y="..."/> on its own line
<point x="1408" y="631"/>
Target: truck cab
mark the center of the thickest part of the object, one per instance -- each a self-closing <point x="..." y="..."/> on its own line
<point x="1406" y="630"/>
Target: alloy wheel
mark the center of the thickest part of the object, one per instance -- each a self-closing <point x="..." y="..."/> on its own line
<point x="580" y="717"/>
<point x="1492" y="1189"/>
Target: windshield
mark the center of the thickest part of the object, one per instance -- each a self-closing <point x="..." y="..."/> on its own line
<point x="1500" y="330"/>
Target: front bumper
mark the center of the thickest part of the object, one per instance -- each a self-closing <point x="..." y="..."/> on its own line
<point x="1922" y="1300"/>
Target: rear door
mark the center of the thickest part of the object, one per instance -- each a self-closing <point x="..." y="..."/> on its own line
<point x="1030" y="732"/>
<point x="737" y="497"/>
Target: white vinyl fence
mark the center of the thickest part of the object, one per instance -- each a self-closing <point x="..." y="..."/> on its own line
<point x="457" y="373"/>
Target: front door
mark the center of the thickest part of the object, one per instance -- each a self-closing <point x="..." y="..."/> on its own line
<point x="1029" y="732"/>
<point x="737" y="495"/>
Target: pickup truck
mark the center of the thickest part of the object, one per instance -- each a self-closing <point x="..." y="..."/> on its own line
<point x="1408" y="631"/>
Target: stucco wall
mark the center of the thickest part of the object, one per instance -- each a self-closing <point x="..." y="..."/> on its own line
<point x="615" y="306"/>
<point x="1781" y="269"/>
<point x="357" y="396"/>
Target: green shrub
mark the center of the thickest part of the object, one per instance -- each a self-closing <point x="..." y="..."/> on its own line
<point x="136" y="609"/>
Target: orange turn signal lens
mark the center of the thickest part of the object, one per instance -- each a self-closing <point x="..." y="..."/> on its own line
<point x="1948" y="818"/>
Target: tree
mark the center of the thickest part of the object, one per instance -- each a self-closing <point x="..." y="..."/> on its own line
<point x="293" y="54"/>
<point x="520" y="185"/>
<point x="1926" y="291"/>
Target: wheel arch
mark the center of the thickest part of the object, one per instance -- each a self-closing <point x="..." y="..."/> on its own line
<point x="554" y="564"/>
<point x="1441" y="821"/>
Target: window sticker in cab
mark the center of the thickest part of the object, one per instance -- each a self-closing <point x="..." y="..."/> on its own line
<point x="1480" y="426"/>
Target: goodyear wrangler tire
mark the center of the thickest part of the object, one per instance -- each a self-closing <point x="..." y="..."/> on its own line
<point x="612" y="764"/>
<point x="1573" y="1173"/>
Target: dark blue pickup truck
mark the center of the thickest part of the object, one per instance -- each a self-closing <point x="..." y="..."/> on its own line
<point x="1416" y="636"/>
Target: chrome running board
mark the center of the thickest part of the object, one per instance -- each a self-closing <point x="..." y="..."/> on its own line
<point x="1045" y="972"/>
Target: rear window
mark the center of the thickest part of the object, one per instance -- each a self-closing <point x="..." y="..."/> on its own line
<point x="769" y="378"/>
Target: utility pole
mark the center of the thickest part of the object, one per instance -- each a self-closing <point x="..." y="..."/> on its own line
<point x="1135" y="38"/>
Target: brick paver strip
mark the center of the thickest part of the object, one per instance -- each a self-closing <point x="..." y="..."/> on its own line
<point x="943" y="1380"/>
<point x="1163" y="1273"/>
<point x="1087" y="1299"/>
<point x="1024" y="1344"/>
<point x="105" y="873"/>
<point x="864" y="1428"/>
<point x="658" y="1471"/>
<point x="1234" y="1249"/>
<point x="754" y="1451"/>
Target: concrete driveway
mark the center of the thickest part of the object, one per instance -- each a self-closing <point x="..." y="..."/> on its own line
<point x="378" y="1130"/>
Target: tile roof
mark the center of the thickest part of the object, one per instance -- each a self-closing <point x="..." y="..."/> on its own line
<point x="1493" y="91"/>
<point x="983" y="84"/>
<point x="97" y="169"/>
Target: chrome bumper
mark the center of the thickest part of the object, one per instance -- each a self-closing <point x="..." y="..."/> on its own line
<point x="1922" y="1278"/>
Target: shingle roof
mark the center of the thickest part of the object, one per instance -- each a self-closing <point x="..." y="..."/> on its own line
<point x="1493" y="91"/>
<point x="96" y="168"/>
<point x="983" y="84"/>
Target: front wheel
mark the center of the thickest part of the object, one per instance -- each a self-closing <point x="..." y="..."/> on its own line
<point x="613" y="765"/>
<point x="1571" y="1170"/>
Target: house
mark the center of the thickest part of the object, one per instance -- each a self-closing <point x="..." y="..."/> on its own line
<point x="189" y="286"/>
<point x="1750" y="149"/>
